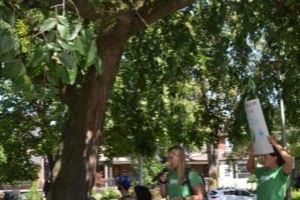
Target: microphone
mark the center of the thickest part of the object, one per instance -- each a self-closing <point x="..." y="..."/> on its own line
<point x="157" y="176"/>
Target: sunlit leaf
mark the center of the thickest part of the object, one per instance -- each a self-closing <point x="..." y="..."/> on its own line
<point x="72" y="74"/>
<point x="80" y="45"/>
<point x="53" y="46"/>
<point x="63" y="20"/>
<point x="98" y="65"/>
<point x="48" y="24"/>
<point x="66" y="45"/>
<point x="91" y="55"/>
<point x="64" y="31"/>
<point x="75" y="32"/>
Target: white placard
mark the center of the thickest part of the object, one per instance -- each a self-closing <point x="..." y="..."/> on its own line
<point x="258" y="127"/>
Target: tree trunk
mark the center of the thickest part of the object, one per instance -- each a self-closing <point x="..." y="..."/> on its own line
<point x="74" y="171"/>
<point x="212" y="165"/>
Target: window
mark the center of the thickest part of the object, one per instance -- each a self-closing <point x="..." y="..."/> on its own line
<point x="241" y="171"/>
<point x="227" y="171"/>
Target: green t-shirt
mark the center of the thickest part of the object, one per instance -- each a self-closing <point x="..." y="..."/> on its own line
<point x="272" y="183"/>
<point x="176" y="189"/>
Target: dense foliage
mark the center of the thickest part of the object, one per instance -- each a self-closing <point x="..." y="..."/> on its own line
<point x="28" y="127"/>
<point x="183" y="79"/>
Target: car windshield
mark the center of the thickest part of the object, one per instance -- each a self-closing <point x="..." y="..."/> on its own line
<point x="230" y="194"/>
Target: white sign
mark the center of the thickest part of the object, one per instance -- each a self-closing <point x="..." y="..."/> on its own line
<point x="258" y="128"/>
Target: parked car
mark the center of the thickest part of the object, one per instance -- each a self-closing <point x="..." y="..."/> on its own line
<point x="230" y="194"/>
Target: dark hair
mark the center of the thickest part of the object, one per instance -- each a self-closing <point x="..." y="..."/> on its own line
<point x="142" y="193"/>
<point x="279" y="160"/>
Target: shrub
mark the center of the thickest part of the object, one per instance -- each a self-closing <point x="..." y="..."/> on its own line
<point x="106" y="194"/>
<point x="34" y="192"/>
<point x="13" y="195"/>
<point x="295" y="195"/>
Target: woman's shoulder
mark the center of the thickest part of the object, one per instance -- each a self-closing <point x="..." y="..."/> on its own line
<point x="194" y="175"/>
<point x="193" y="172"/>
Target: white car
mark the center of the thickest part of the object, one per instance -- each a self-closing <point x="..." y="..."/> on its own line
<point x="230" y="194"/>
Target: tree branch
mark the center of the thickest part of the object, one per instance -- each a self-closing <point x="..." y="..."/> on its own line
<point x="157" y="10"/>
<point x="128" y="22"/>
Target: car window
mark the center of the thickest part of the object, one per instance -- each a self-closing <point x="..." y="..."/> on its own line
<point x="229" y="192"/>
<point x="245" y="193"/>
<point x="213" y="192"/>
<point x="232" y="194"/>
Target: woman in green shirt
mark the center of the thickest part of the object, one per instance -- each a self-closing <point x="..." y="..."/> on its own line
<point x="274" y="176"/>
<point x="174" y="184"/>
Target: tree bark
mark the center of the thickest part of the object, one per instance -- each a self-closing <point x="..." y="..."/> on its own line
<point x="74" y="171"/>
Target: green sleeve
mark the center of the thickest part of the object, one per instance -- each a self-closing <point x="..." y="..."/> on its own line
<point x="282" y="175"/>
<point x="195" y="178"/>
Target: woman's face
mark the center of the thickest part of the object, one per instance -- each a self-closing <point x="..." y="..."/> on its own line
<point x="173" y="160"/>
<point x="268" y="161"/>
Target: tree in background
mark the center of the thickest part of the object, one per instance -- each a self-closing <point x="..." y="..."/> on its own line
<point x="27" y="127"/>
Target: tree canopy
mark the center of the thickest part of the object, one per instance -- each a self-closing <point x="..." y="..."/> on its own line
<point x="183" y="79"/>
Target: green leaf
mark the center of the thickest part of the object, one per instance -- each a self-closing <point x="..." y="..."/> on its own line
<point x="51" y="36"/>
<point x="37" y="58"/>
<point x="98" y="66"/>
<point x="77" y="57"/>
<point x="6" y="14"/>
<point x="66" y="45"/>
<point x="35" y="61"/>
<point x="62" y="74"/>
<point x="64" y="31"/>
<point x="46" y="54"/>
<point x="23" y="83"/>
<point x="6" y="42"/>
<point x="92" y="54"/>
<point x="67" y="59"/>
<point x="36" y="71"/>
<point x="14" y="69"/>
<point x="72" y="72"/>
<point x="63" y="20"/>
<point x="8" y="56"/>
<point x="48" y="24"/>
<point x="53" y="46"/>
<point x="75" y="32"/>
<point x="80" y="46"/>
